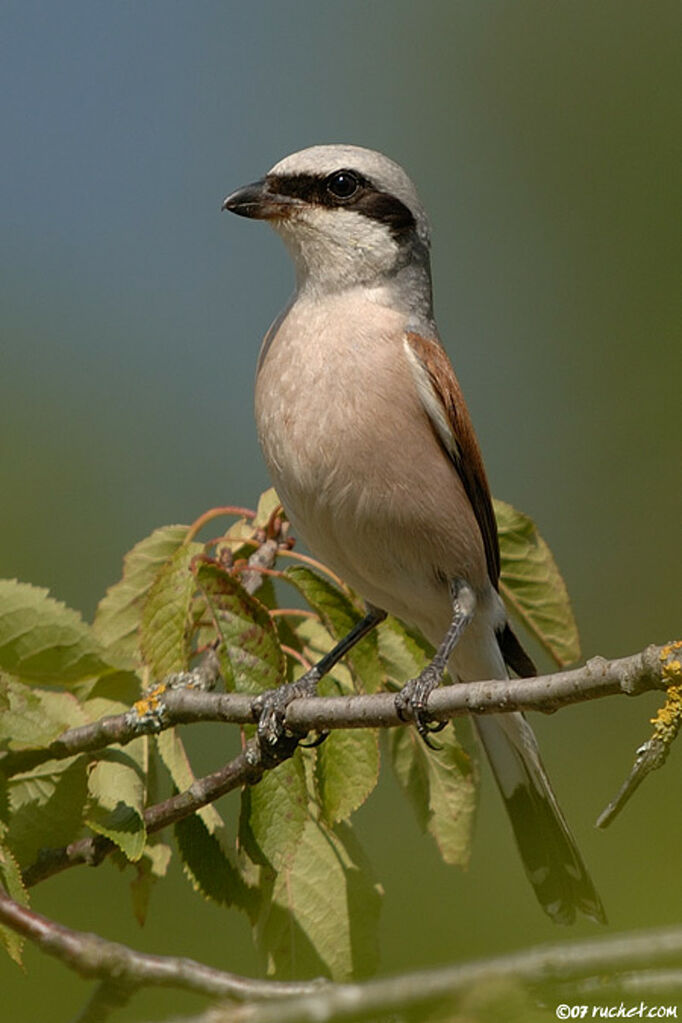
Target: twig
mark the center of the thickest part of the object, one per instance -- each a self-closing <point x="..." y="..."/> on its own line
<point x="127" y="969"/>
<point x="651" y="959"/>
<point x="107" y="997"/>
<point x="629" y="676"/>
<point x="654" y="752"/>
<point x="214" y="513"/>
<point x="545" y="969"/>
<point x="246" y="769"/>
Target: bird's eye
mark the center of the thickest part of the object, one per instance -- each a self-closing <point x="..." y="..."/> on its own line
<point x="343" y="184"/>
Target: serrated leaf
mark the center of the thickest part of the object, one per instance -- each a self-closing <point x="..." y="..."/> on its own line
<point x="441" y="786"/>
<point x="274" y="813"/>
<point x="152" y="866"/>
<point x="116" y="788"/>
<point x="324" y="911"/>
<point x="10" y="879"/>
<point x="209" y="867"/>
<point x="118" y="614"/>
<point x="346" y="771"/>
<point x="35" y="717"/>
<point x="250" y="655"/>
<point x="46" y="807"/>
<point x="172" y="751"/>
<point x="403" y="652"/>
<point x="339" y="615"/>
<point x="43" y="640"/>
<point x="532" y="586"/>
<point x="164" y="633"/>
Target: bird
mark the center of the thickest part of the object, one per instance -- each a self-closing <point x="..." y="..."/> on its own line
<point x="371" y="448"/>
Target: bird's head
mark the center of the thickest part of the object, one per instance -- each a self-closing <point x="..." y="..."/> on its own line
<point x="349" y="216"/>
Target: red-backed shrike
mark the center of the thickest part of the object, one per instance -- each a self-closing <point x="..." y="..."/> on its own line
<point x="372" y="451"/>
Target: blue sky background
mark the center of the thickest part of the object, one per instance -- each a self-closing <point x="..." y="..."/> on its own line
<point x="544" y="139"/>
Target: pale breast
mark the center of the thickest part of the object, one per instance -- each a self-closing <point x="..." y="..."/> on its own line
<point x="356" y="461"/>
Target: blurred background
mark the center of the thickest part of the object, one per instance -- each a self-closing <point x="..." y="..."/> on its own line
<point x="544" y="139"/>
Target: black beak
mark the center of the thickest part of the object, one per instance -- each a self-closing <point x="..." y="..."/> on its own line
<point x="258" y="202"/>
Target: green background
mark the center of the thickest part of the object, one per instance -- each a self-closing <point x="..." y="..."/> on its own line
<point x="544" y="139"/>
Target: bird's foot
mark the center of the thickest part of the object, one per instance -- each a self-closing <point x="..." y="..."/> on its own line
<point x="411" y="701"/>
<point x="277" y="742"/>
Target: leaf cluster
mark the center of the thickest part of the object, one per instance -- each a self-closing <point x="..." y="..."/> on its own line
<point x="296" y="866"/>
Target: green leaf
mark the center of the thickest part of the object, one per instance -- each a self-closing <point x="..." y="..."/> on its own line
<point x="174" y="756"/>
<point x="118" y="614"/>
<point x="339" y="615"/>
<point x="116" y="787"/>
<point x="35" y="717"/>
<point x="347" y="771"/>
<point x="324" y="911"/>
<point x="43" y="640"/>
<point x="46" y="807"/>
<point x="164" y="625"/>
<point x="10" y="879"/>
<point x="442" y="787"/>
<point x="532" y="586"/>
<point x="268" y="502"/>
<point x="152" y="865"/>
<point x="250" y="654"/>
<point x="346" y="767"/>
<point x="403" y="652"/>
<point x="209" y="867"/>
<point x="274" y="813"/>
<point x="112" y="694"/>
<point x="312" y="639"/>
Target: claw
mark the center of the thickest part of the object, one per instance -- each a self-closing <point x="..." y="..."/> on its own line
<point x="317" y="741"/>
<point x="426" y="728"/>
<point x="277" y="742"/>
<point x="411" y="701"/>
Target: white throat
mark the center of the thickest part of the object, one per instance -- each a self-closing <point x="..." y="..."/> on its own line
<point x="341" y="250"/>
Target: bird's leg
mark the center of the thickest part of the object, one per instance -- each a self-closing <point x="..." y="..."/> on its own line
<point x="411" y="701"/>
<point x="269" y="709"/>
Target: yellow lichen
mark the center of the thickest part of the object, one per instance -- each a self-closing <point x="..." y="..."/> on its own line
<point x="672" y="667"/>
<point x="668" y="720"/>
<point x="150" y="701"/>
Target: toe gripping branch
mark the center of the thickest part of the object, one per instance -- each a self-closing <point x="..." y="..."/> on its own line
<point x="276" y="739"/>
<point x="411" y="701"/>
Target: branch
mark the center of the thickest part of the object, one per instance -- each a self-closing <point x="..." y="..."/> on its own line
<point x="628" y="676"/>
<point x="654" y="752"/>
<point x="653" y="956"/>
<point x="246" y="769"/>
<point x="125" y="969"/>
<point x="567" y="967"/>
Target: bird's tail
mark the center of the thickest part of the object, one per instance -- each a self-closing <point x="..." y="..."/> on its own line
<point x="550" y="856"/>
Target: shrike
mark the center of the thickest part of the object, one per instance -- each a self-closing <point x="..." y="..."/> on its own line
<point x="371" y="449"/>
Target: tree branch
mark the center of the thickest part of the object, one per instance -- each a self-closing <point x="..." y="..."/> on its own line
<point x="126" y="969"/>
<point x="246" y="769"/>
<point x="652" y="957"/>
<point x="599" y="677"/>
<point x="568" y="968"/>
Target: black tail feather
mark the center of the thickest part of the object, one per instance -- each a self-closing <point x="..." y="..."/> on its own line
<point x="548" y="850"/>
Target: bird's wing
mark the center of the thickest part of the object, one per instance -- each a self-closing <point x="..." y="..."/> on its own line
<point x="444" y="404"/>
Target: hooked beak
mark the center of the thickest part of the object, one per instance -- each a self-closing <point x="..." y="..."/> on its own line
<point x="259" y="203"/>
